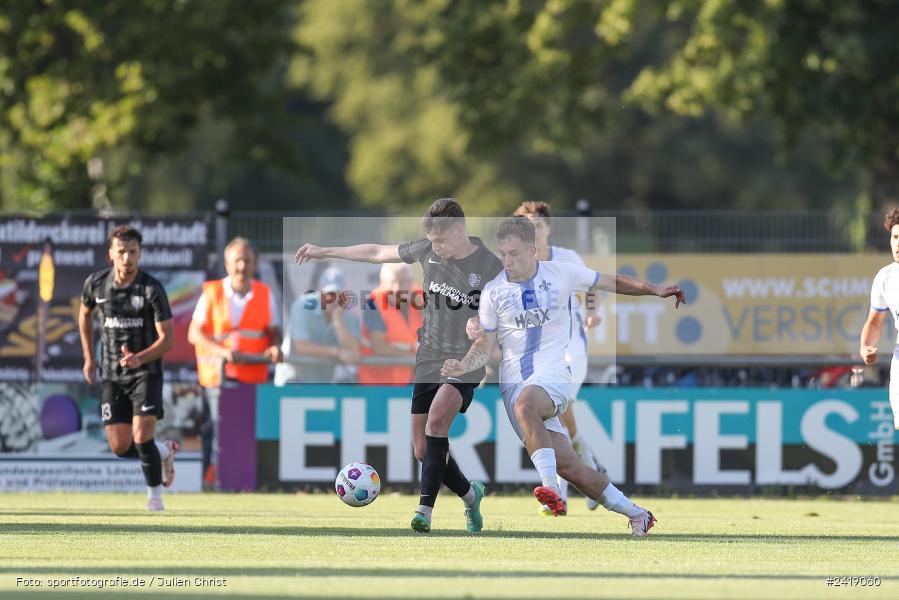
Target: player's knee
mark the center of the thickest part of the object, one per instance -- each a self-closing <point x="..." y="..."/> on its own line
<point x="438" y="425"/>
<point x="142" y="438"/>
<point x="120" y="448"/>
<point x="525" y="410"/>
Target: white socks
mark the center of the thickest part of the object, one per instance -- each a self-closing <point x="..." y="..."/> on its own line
<point x="544" y="460"/>
<point x="614" y="500"/>
<point x="163" y="449"/>
<point x="469" y="496"/>
<point x="563" y="487"/>
<point x="154" y="493"/>
<point x="425" y="510"/>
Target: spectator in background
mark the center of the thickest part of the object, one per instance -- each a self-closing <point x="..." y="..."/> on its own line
<point x="322" y="327"/>
<point x="235" y="315"/>
<point x="390" y="324"/>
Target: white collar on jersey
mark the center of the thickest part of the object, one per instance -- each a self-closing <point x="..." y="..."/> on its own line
<point x="230" y="293"/>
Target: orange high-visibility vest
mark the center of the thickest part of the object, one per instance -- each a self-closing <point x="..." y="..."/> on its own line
<point x="250" y="337"/>
<point x="398" y="330"/>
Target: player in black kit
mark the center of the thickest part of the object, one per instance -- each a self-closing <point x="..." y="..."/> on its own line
<point x="135" y="331"/>
<point x="456" y="267"/>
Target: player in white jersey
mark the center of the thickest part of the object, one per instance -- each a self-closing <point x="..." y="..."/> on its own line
<point x="584" y="318"/>
<point x="526" y="309"/>
<point x="885" y="299"/>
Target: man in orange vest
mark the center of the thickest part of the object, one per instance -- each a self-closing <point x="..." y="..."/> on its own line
<point x="323" y="327"/>
<point x="390" y="322"/>
<point x="235" y="315"/>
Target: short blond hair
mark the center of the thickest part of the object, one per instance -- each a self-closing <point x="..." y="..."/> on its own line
<point x="241" y="241"/>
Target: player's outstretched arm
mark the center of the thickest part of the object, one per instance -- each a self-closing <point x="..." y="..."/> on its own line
<point x="86" y="331"/>
<point x="370" y="253"/>
<point x="631" y="286"/>
<point x="870" y="336"/>
<point x="477" y="357"/>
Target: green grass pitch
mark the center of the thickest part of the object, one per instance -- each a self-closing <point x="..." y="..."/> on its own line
<point x="280" y="545"/>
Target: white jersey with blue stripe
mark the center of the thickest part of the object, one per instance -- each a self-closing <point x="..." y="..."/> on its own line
<point x="577" y="347"/>
<point x="532" y="320"/>
<point x="885" y="291"/>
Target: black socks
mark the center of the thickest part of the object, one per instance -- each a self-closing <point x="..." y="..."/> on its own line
<point x="438" y="468"/>
<point x="150" y="462"/>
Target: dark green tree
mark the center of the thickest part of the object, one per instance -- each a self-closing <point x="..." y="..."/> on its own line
<point x="554" y="70"/>
<point x="498" y="101"/>
<point x="821" y="68"/>
<point x="79" y="81"/>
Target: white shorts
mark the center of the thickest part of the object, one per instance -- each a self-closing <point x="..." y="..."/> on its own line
<point x="578" y="366"/>
<point x="894" y="388"/>
<point x="558" y="392"/>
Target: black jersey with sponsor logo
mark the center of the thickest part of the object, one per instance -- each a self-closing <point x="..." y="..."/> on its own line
<point x="128" y="316"/>
<point x="452" y="289"/>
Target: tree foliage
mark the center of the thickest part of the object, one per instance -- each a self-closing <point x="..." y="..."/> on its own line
<point x="499" y="101"/>
<point x="387" y="104"/>
<point x="819" y="70"/>
<point x="132" y="75"/>
<point x="822" y="67"/>
<point x="407" y="146"/>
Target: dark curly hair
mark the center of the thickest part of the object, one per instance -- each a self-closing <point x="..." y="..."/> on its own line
<point x="891" y="218"/>
<point x="125" y="233"/>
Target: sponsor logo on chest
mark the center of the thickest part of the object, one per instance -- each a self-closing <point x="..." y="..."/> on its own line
<point x="123" y="322"/>
<point x="454" y="294"/>
<point x="532" y="318"/>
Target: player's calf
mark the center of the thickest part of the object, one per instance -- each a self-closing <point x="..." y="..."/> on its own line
<point x="151" y="464"/>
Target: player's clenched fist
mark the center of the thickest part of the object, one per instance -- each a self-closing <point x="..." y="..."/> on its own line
<point x="307" y="252"/>
<point x="869" y="354"/>
<point x="452" y="368"/>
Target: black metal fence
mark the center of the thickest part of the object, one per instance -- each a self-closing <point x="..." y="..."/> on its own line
<point x="640" y="231"/>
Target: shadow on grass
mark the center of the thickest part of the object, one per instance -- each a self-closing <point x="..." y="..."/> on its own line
<point x="137" y="511"/>
<point x="162" y="527"/>
<point x="167" y="595"/>
<point x="189" y="573"/>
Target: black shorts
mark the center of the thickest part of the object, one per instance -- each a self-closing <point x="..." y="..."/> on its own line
<point x="428" y="380"/>
<point x="121" y="401"/>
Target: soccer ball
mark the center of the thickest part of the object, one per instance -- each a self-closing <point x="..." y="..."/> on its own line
<point x="358" y="484"/>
